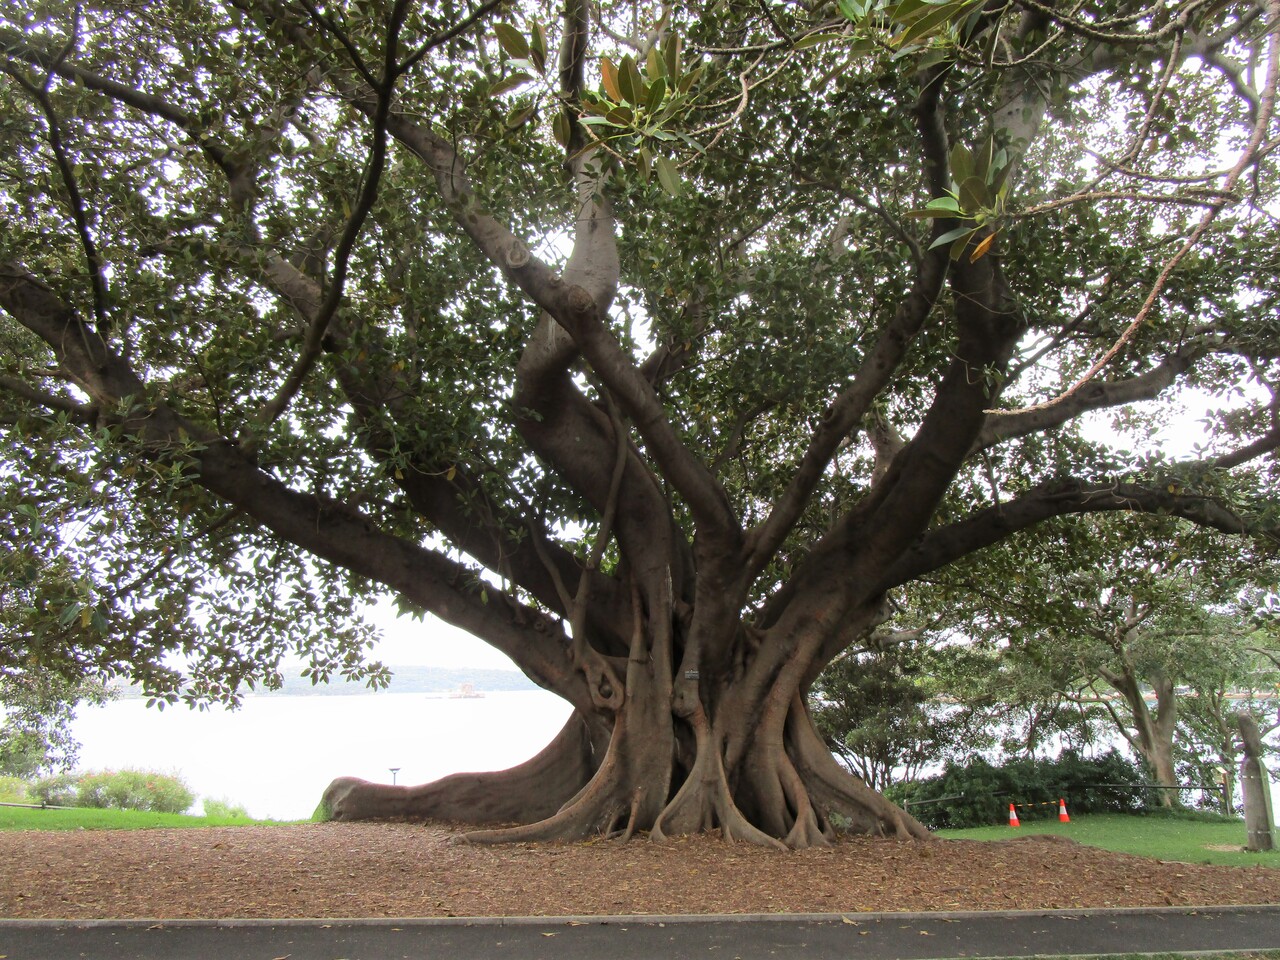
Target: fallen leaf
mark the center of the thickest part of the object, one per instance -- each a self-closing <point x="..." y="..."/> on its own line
<point x="844" y="919"/>
<point x="548" y="934"/>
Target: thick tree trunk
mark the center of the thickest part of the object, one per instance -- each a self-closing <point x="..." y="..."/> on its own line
<point x="1154" y="732"/>
<point x="1258" y="819"/>
<point x="669" y="757"/>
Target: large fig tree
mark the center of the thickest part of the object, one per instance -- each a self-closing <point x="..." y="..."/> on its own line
<point x="659" y="346"/>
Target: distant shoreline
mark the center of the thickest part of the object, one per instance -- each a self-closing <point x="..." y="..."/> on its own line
<point x="404" y="679"/>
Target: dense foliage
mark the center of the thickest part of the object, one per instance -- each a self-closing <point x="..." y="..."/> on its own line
<point x="115" y="789"/>
<point x="883" y="714"/>
<point x="664" y="348"/>
<point x="36" y="710"/>
<point x="978" y="794"/>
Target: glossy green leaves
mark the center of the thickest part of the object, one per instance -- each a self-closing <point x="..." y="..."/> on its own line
<point x="977" y="198"/>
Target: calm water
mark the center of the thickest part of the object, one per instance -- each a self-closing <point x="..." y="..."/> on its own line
<point x="275" y="755"/>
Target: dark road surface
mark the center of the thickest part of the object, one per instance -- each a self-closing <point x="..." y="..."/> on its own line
<point x="827" y="937"/>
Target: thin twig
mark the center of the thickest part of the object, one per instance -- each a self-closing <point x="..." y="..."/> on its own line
<point x="1247" y="158"/>
<point x="342" y="254"/>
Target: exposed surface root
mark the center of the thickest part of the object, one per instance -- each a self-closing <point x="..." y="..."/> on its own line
<point x="532" y="791"/>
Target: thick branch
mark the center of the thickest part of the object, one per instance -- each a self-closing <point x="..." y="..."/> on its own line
<point x="847" y="411"/>
<point x="326" y="527"/>
<point x="1003" y="426"/>
<point x="447" y="495"/>
<point x="81" y="412"/>
<point x="947" y="544"/>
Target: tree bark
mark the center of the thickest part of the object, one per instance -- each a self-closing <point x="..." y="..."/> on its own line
<point x="1258" y="818"/>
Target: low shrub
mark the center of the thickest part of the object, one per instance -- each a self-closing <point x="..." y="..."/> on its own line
<point x="978" y="794"/>
<point x="14" y="790"/>
<point x="134" y="790"/>
<point x="58" y="790"/>
<point x="224" y="809"/>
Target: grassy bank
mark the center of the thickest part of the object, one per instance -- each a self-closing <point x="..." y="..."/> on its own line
<point x="88" y="818"/>
<point x="1159" y="836"/>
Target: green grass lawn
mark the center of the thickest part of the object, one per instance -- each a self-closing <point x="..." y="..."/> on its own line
<point x="1162" y="837"/>
<point x="22" y="818"/>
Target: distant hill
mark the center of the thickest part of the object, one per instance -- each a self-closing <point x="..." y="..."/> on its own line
<point x="407" y="679"/>
<point x="404" y="679"/>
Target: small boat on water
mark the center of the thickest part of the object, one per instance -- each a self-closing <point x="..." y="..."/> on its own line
<point x="466" y="691"/>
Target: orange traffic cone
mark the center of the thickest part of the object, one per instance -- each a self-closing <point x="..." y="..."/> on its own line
<point x="1013" y="817"/>
<point x="1062" y="811"/>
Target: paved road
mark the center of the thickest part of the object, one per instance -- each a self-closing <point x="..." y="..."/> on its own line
<point x="849" y="937"/>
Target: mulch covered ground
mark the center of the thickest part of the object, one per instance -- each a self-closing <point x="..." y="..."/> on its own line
<point x="415" y="870"/>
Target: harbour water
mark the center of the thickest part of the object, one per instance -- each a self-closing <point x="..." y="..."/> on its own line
<point x="275" y="755"/>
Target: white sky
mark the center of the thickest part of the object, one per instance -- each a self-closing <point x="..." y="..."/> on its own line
<point x="429" y="642"/>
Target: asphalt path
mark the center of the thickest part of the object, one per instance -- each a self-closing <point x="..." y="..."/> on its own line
<point x="886" y="936"/>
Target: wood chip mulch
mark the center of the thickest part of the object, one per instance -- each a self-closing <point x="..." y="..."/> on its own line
<point x="415" y="870"/>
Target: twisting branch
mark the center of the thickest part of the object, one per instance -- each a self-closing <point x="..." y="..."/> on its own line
<point x="578" y="617"/>
<point x="1248" y="157"/>
<point x="311" y="345"/>
<point x="1005" y="425"/>
<point x="1104" y="33"/>
<point x="848" y="409"/>
<point x="444" y="36"/>
<point x="79" y="213"/>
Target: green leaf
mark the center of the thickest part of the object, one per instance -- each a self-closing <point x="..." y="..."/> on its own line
<point x="973" y="195"/>
<point x="560" y="128"/>
<point x="671" y="56"/>
<point x="853" y="10"/>
<point x="668" y="176"/>
<point x="630" y="83"/>
<point x="952" y="235"/>
<point x="621" y="116"/>
<point x="512" y="41"/>
<point x="507" y="84"/>
<point x="657" y="92"/>
<point x="538" y="47"/>
<point x="654" y="64"/>
<point x="926" y="25"/>
<point x="644" y="163"/>
<point x="813" y="39"/>
<point x="517" y="117"/>
<point x="962" y="163"/>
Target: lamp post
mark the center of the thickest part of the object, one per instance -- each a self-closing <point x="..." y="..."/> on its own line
<point x="394" y="771"/>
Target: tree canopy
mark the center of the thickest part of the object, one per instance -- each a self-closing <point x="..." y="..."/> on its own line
<point x="1153" y="638"/>
<point x="660" y="346"/>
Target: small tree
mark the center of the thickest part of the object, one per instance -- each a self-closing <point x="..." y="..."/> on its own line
<point x="1130" y="633"/>
<point x="878" y="711"/>
<point x="1244" y="679"/>
<point x="36" y="711"/>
